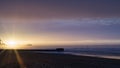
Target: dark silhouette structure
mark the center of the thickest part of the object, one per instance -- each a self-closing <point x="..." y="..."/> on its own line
<point x="59" y="49"/>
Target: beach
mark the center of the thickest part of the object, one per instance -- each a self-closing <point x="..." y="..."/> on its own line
<point x="30" y="59"/>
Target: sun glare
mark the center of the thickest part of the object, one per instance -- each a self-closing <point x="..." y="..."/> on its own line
<point x="12" y="44"/>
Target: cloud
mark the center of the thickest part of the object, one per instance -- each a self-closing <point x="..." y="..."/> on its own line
<point x="74" y="29"/>
<point x="60" y="9"/>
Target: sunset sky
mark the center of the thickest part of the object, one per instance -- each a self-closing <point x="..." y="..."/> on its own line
<point x="60" y="21"/>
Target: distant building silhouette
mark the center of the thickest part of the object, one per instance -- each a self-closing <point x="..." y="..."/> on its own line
<point x="60" y="49"/>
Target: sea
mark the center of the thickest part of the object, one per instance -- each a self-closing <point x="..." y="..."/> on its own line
<point x="111" y="52"/>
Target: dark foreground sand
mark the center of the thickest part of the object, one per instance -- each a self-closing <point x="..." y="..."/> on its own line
<point x="41" y="60"/>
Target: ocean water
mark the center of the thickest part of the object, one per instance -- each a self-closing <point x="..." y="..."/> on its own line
<point x="112" y="53"/>
<point x="104" y="51"/>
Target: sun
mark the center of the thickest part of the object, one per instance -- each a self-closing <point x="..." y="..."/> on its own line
<point x="12" y="44"/>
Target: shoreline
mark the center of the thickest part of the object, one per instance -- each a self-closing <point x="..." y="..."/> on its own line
<point x="81" y="54"/>
<point x="47" y="60"/>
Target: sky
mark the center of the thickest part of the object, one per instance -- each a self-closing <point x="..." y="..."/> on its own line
<point x="60" y="21"/>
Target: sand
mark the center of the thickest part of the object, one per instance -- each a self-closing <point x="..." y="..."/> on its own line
<point x="28" y="59"/>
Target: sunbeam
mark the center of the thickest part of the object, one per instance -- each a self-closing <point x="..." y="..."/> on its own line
<point x="6" y="58"/>
<point x="19" y="59"/>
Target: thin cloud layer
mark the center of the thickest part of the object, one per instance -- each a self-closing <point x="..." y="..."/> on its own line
<point x="59" y="8"/>
<point x="61" y="20"/>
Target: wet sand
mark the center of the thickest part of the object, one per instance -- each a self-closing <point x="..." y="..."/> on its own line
<point x="28" y="59"/>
